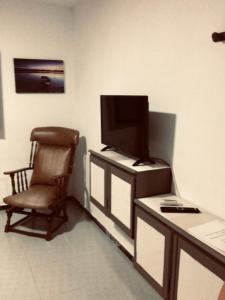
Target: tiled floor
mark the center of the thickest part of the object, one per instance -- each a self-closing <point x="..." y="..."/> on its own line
<point x="80" y="263"/>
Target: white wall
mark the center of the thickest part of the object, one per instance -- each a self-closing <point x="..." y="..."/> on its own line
<point x="30" y="30"/>
<point x="163" y="49"/>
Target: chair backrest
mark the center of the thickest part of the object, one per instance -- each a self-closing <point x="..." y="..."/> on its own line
<point x="54" y="153"/>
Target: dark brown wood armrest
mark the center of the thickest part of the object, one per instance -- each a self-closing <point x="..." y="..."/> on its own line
<point x="18" y="179"/>
<point x="17" y="171"/>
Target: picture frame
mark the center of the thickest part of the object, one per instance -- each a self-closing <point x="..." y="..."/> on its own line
<point x="39" y="75"/>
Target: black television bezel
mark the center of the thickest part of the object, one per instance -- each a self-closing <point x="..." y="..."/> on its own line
<point x="143" y="156"/>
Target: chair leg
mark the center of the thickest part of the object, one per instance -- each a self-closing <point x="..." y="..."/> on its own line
<point x="49" y="232"/>
<point x="9" y="215"/>
<point x="65" y="215"/>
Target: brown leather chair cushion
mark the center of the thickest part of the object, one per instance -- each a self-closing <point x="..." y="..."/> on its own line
<point x="49" y="162"/>
<point x="37" y="197"/>
<point x="55" y="136"/>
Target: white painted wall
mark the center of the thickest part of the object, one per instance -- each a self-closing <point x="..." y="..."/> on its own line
<point x="163" y="49"/>
<point x="31" y="30"/>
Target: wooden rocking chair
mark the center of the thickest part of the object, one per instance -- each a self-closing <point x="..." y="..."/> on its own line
<point x="51" y="159"/>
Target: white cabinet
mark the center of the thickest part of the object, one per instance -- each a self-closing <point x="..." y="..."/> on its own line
<point x="177" y="264"/>
<point x="115" y="183"/>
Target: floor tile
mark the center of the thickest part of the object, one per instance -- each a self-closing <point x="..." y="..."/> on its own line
<point x="80" y="263"/>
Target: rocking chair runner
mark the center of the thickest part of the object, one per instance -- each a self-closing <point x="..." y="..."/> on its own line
<point x="51" y="160"/>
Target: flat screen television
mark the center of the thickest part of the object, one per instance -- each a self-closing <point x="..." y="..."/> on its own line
<point x="124" y="125"/>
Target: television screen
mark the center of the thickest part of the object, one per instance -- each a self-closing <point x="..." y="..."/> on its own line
<point x="124" y="124"/>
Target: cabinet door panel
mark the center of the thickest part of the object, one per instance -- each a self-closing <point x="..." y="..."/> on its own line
<point x="121" y="200"/>
<point x="121" y="193"/>
<point x="195" y="281"/>
<point x="97" y="183"/>
<point x="150" y="245"/>
<point x="153" y="251"/>
<point x="199" y="276"/>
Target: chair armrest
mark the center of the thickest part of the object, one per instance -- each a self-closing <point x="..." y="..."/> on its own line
<point x="19" y="180"/>
<point x="17" y="171"/>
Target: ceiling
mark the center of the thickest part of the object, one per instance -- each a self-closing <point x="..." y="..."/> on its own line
<point x="68" y="3"/>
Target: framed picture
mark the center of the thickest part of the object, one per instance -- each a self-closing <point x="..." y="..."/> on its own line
<point x="39" y="75"/>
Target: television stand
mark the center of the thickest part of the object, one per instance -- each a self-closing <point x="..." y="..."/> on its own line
<point x="115" y="183"/>
<point x="140" y="161"/>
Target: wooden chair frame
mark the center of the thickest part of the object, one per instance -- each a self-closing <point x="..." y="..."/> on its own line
<point x="19" y="184"/>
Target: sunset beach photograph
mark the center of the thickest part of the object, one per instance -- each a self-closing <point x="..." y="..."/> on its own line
<point x="39" y="75"/>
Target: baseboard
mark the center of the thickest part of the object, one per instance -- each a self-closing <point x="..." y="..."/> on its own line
<point x="130" y="256"/>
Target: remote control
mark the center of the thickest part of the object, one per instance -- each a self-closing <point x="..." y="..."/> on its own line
<point x="171" y="204"/>
<point x="180" y="209"/>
